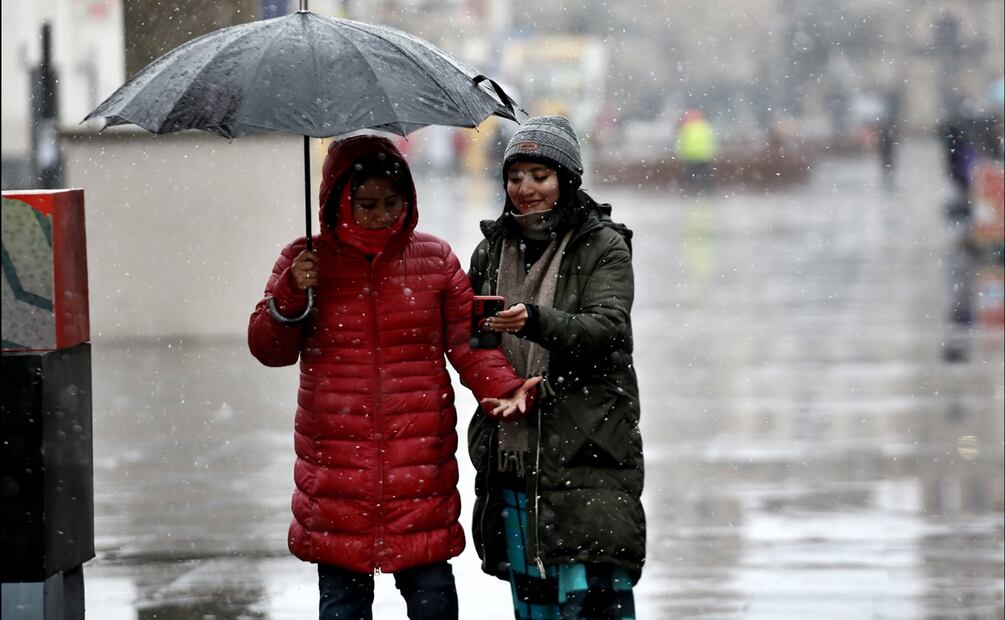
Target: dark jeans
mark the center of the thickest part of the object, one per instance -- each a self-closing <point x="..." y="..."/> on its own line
<point x="428" y="590"/>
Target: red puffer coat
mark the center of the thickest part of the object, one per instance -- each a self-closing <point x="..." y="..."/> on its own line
<point x="376" y="477"/>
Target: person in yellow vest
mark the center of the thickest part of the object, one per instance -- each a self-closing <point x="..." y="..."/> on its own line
<point x="695" y="146"/>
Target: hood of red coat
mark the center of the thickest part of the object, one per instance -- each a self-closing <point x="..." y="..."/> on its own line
<point x="338" y="169"/>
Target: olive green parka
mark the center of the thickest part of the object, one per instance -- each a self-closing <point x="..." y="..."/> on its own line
<point x="585" y="470"/>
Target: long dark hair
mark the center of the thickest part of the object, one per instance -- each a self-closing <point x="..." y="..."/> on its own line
<point x="375" y="166"/>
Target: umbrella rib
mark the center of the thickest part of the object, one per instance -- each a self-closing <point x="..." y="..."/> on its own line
<point x="309" y="36"/>
<point x="471" y="118"/>
<point x="258" y="65"/>
<point x="166" y="64"/>
<point x="366" y="62"/>
<point x="245" y="31"/>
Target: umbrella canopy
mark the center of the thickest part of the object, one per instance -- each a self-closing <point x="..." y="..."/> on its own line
<point x="305" y="74"/>
<point x="309" y="75"/>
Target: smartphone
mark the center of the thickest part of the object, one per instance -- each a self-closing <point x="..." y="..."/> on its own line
<point x="482" y="307"/>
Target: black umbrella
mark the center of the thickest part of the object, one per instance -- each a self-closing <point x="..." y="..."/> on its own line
<point x="309" y="75"/>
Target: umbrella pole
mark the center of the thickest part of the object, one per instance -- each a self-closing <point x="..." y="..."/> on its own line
<point x="307" y="192"/>
<point x="273" y="310"/>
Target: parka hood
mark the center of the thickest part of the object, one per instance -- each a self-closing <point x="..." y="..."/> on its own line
<point x="338" y="169"/>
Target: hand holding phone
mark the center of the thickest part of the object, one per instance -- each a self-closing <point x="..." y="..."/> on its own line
<point x="483" y="307"/>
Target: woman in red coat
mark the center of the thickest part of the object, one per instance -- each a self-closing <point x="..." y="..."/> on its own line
<point x="376" y="476"/>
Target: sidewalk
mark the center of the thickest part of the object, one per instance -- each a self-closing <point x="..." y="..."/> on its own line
<point x="809" y="454"/>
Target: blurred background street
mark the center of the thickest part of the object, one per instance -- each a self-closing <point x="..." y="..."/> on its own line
<point x="808" y="446"/>
<point x="819" y="297"/>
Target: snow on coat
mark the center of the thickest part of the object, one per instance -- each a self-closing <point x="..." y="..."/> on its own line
<point x="375" y="430"/>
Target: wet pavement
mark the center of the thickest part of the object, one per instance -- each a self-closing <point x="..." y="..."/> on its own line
<point x="811" y="449"/>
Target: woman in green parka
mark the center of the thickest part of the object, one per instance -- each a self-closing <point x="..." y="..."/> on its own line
<point x="558" y="511"/>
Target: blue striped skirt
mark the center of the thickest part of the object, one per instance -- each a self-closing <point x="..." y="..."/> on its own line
<point x="576" y="591"/>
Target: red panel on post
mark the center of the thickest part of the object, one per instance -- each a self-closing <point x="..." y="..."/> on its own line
<point x="45" y="296"/>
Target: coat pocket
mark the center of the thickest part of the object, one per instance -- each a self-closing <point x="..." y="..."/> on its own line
<point x="597" y="434"/>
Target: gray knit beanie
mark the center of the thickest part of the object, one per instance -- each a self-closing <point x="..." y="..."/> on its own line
<point x="547" y="138"/>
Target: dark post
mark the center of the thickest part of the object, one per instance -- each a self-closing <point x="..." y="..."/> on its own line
<point x="47" y="157"/>
<point x="46" y="464"/>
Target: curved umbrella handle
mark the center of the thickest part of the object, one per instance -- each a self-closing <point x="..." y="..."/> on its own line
<point x="506" y="100"/>
<point x="295" y="319"/>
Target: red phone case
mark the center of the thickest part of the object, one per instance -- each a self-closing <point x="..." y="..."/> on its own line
<point x="482" y="307"/>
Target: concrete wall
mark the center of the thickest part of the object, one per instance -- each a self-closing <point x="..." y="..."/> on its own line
<point x="183" y="230"/>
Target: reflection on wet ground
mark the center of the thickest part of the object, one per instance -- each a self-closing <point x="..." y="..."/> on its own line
<point x="809" y="449"/>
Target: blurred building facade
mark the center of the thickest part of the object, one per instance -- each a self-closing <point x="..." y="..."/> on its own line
<point x="87" y="52"/>
<point x="765" y="59"/>
<point x="749" y="63"/>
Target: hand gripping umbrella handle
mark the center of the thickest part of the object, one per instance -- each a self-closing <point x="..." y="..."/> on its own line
<point x="295" y="319"/>
<point x="307" y="221"/>
<point x="503" y="97"/>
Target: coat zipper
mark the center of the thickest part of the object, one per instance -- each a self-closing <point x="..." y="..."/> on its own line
<point x="378" y="418"/>
<point x="481" y="518"/>
<point x="491" y="282"/>
<point x="485" y="506"/>
<point x="537" y="499"/>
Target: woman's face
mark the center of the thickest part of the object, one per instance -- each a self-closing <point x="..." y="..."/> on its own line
<point x="532" y="187"/>
<point x="377" y="203"/>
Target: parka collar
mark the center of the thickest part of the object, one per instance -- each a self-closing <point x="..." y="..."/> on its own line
<point x="598" y="216"/>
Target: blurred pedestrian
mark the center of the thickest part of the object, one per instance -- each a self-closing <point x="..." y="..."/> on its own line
<point x="495" y="145"/>
<point x="888" y="135"/>
<point x="960" y="157"/>
<point x="375" y="437"/>
<point x="558" y="511"/>
<point x="695" y="145"/>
